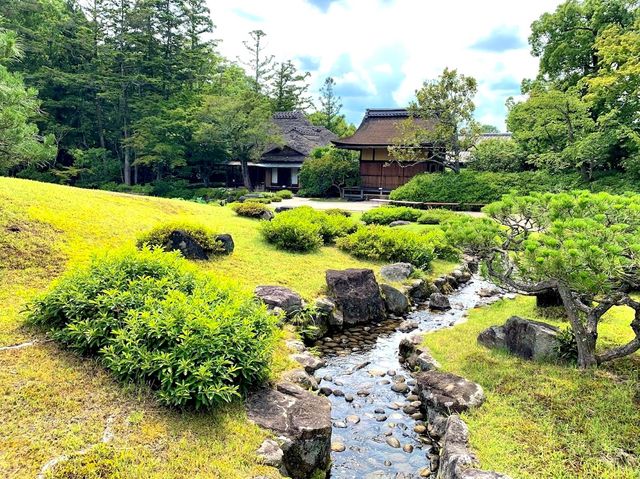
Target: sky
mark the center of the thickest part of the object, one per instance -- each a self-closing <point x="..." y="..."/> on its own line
<point x="380" y="51"/>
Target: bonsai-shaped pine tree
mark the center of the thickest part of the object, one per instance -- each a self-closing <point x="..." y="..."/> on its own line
<point x="584" y="245"/>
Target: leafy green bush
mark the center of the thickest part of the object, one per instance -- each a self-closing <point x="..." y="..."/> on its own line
<point x="338" y="211"/>
<point x="472" y="235"/>
<point x="442" y="248"/>
<point x="122" y="188"/>
<point x="150" y="317"/>
<point x="436" y="216"/>
<point x="383" y="215"/>
<point x="290" y="224"/>
<point x="389" y="244"/>
<point x="499" y="155"/>
<point x="284" y="194"/>
<point x="567" y="346"/>
<point x="292" y="233"/>
<point x="251" y="209"/>
<point x="328" y="171"/>
<point x="159" y="236"/>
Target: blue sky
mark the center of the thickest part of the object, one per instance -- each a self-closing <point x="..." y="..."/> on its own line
<point x="380" y="51"/>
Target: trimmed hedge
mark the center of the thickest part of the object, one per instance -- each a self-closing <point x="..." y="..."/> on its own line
<point x="487" y="187"/>
<point x="383" y="215"/>
<point x="159" y="236"/>
<point x="389" y="244"/>
<point x="250" y="209"/>
<point x="436" y="216"/>
<point x="150" y="317"/>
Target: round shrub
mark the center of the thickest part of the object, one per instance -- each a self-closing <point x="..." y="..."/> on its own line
<point x="151" y="318"/>
<point x="252" y="209"/>
<point x="338" y="211"/>
<point x="389" y="244"/>
<point x="284" y="194"/>
<point x="383" y="215"/>
<point x="292" y="233"/>
<point x="436" y="216"/>
<point x="160" y="237"/>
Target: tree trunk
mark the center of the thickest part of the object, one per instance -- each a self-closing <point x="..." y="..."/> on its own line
<point x="246" y="179"/>
<point x="586" y="340"/>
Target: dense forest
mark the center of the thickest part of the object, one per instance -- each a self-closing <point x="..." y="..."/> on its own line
<point x="111" y="92"/>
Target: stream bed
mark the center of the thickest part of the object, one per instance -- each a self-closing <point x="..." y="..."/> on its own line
<point x="375" y="414"/>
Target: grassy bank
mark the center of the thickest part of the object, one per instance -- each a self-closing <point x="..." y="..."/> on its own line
<point x="55" y="402"/>
<point x="545" y="420"/>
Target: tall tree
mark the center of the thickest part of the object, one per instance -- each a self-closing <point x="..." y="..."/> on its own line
<point x="444" y="111"/>
<point x="259" y="63"/>
<point x="19" y="139"/>
<point x="289" y="89"/>
<point x="330" y="104"/>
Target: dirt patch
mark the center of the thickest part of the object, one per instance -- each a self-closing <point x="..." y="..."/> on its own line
<point x="26" y="244"/>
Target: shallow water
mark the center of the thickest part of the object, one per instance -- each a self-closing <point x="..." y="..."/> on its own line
<point x="380" y="413"/>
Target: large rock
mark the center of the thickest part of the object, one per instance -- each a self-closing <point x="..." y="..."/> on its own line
<point x="523" y="337"/>
<point x="394" y="299"/>
<point x="414" y="355"/>
<point x="419" y="290"/>
<point x="356" y="294"/>
<point x="393" y="224"/>
<point x="267" y="215"/>
<point x="308" y="362"/>
<point x="439" y="301"/>
<point x="280" y="297"/>
<point x="301" y="420"/>
<point x="227" y="243"/>
<point x="180" y="240"/>
<point x="456" y="459"/>
<point x="397" y="271"/>
<point x="448" y="393"/>
<point x="302" y="378"/>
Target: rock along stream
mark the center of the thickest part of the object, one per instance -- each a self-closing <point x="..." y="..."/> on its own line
<point x="375" y="412"/>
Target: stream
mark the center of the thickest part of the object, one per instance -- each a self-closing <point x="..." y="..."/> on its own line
<point x="380" y="428"/>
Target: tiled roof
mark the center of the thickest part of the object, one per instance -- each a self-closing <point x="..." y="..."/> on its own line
<point x="379" y="127"/>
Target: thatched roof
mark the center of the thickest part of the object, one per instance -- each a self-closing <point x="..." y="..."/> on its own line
<point x="299" y="137"/>
<point x="379" y="128"/>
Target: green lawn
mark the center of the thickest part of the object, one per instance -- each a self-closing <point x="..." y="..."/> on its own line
<point x="54" y="402"/>
<point x="545" y="420"/>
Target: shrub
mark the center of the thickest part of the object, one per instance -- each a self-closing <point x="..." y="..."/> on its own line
<point x="150" y="317"/>
<point x="383" y="215"/>
<point x="436" y="216"/>
<point x="327" y="227"/>
<point x="251" y="209"/>
<point x="498" y="155"/>
<point x="159" y="236"/>
<point x="442" y="248"/>
<point x="292" y="233"/>
<point x="284" y="194"/>
<point x="389" y="244"/>
<point x="478" y="235"/>
<point x="566" y="346"/>
<point x="328" y="171"/>
<point x="338" y="211"/>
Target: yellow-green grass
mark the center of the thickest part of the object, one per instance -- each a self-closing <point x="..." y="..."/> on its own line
<point x="54" y="402"/>
<point x="545" y="420"/>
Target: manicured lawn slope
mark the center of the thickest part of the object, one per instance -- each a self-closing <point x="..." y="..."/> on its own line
<point x="54" y="402"/>
<point x="546" y="420"/>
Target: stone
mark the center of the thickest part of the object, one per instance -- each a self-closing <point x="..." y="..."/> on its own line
<point x="393" y="224"/>
<point x="325" y="391"/>
<point x="301" y="378"/>
<point x="488" y="292"/>
<point x="280" y="209"/>
<point x="295" y="345"/>
<point x="407" y="448"/>
<point x="180" y="240"/>
<point x="325" y="305"/>
<point x="448" y="393"/>
<point x="493" y="337"/>
<point x="338" y="447"/>
<point x="393" y="442"/>
<point x="302" y="418"/>
<point x="399" y="387"/>
<point x="309" y="362"/>
<point x="356" y="294"/>
<point x="407" y="326"/>
<point x="270" y="453"/>
<point x="280" y="297"/>
<point x="352" y="419"/>
<point x="415" y="356"/>
<point x="425" y="361"/>
<point x="456" y="459"/>
<point x="395" y="301"/>
<point x="525" y="338"/>
<point x="397" y="271"/>
<point x="227" y="243"/>
<point x="267" y="215"/>
<point x="439" y="301"/>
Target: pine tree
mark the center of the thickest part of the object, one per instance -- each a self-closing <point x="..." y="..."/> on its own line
<point x="259" y="64"/>
<point x="289" y="89"/>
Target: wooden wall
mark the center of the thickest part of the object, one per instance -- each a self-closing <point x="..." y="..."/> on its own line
<point x="374" y="174"/>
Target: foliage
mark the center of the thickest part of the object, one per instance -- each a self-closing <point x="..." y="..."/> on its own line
<point x="389" y="244"/>
<point x="290" y="88"/>
<point x="260" y="64"/>
<point x="435" y="216"/>
<point x="158" y="236"/>
<point x="284" y="194"/>
<point x="338" y="211"/>
<point x="443" y="247"/>
<point x="383" y="215"/>
<point x="450" y="100"/>
<point x="339" y="126"/>
<point x="149" y="318"/>
<point x="329" y="113"/>
<point x="567" y="347"/>
<point x="292" y="229"/>
<point x="329" y="170"/>
<point x="251" y="209"/>
<point x="582" y="244"/>
<point x="498" y="155"/>
<point x="476" y="236"/>
<point x="19" y="106"/>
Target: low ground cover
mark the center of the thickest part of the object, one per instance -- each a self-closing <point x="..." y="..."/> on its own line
<point x="546" y="420"/>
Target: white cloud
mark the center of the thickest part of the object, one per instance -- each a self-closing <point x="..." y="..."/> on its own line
<point x="408" y="40"/>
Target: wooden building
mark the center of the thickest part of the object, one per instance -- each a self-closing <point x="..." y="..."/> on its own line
<point x="378" y="171"/>
<point x="279" y="165"/>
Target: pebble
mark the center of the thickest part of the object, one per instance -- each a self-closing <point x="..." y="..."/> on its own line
<point x="325" y="391"/>
<point x="381" y="418"/>
<point x="348" y="397"/>
<point x="379" y="410"/>
<point x="420" y="429"/>
<point x="391" y="372"/>
<point x="407" y="448"/>
<point x="413" y="397"/>
<point x="425" y="472"/>
<point x="400" y="387"/>
<point x="353" y="419"/>
<point x="338" y="392"/>
<point x="393" y="442"/>
<point x="387" y="463"/>
<point x="340" y="424"/>
<point x="363" y="393"/>
<point x="338" y="447"/>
